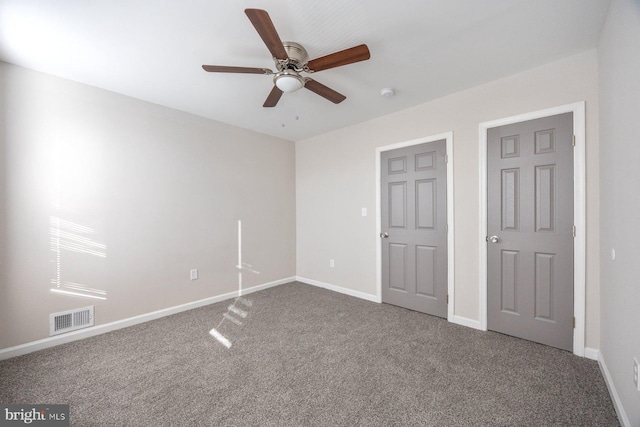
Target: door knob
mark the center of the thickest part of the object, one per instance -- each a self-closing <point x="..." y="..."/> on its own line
<point x="494" y="239"/>
<point x="385" y="235"/>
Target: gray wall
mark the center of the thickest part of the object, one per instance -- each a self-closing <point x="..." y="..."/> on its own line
<point x="163" y="190"/>
<point x="619" y="62"/>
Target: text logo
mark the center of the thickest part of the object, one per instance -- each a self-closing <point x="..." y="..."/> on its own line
<point x="34" y="415"/>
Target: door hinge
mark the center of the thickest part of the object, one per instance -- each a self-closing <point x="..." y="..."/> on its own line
<point x="574" y="323"/>
<point x="573" y="231"/>
<point x="446" y="158"/>
<point x="574" y="141"/>
<point x="447" y="298"/>
<point x="446" y="229"/>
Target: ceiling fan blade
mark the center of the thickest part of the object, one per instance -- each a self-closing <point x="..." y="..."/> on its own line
<point x="273" y="98"/>
<point x="324" y="91"/>
<point x="267" y="31"/>
<point x="337" y="59"/>
<point x="247" y="70"/>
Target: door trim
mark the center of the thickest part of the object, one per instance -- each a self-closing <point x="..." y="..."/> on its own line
<point x="579" y="214"/>
<point x="448" y="137"/>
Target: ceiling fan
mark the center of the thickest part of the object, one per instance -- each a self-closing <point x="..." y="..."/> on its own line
<point x="290" y="60"/>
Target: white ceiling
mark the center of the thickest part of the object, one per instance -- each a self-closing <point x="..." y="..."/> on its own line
<point x="153" y="50"/>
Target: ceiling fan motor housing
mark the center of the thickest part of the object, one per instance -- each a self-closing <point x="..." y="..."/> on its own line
<point x="297" y="54"/>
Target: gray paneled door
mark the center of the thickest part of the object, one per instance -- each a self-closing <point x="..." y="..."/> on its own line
<point x="414" y="221"/>
<point x="530" y="230"/>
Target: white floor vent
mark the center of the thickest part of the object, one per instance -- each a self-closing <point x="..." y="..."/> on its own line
<point x="70" y="320"/>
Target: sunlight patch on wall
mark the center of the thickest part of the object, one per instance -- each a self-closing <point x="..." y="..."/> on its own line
<point x="76" y="225"/>
<point x="76" y="289"/>
<point x="68" y="237"/>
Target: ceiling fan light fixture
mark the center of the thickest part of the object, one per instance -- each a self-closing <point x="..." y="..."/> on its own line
<point x="288" y="81"/>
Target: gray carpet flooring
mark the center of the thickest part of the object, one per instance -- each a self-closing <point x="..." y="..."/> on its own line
<point x="307" y="356"/>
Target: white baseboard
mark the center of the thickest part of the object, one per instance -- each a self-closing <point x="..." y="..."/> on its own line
<point x="346" y="291"/>
<point x="469" y="323"/>
<point x="591" y="353"/>
<point x="30" y="347"/>
<point x="617" y="403"/>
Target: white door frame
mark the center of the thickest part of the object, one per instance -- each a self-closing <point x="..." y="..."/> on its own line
<point x="579" y="213"/>
<point x="448" y="137"/>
